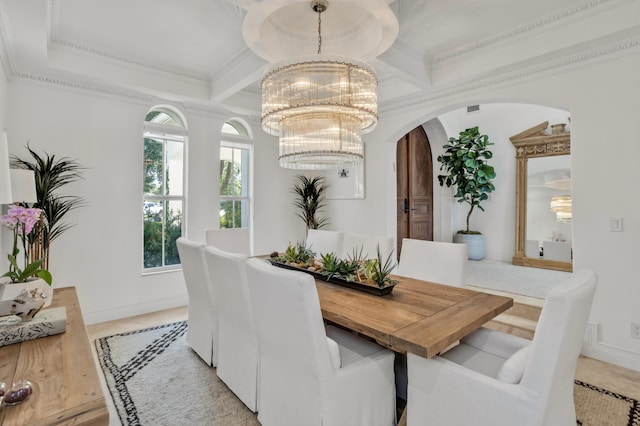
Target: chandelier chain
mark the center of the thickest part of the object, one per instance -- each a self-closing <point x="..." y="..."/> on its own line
<point x="319" y="30"/>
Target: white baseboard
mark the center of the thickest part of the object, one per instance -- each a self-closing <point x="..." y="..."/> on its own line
<point x="133" y="310"/>
<point x="608" y="353"/>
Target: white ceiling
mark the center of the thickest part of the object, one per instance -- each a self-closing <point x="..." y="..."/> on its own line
<point x="194" y="51"/>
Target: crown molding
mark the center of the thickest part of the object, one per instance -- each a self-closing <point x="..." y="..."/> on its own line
<point x="85" y="87"/>
<point x="580" y="58"/>
<point x="54" y="39"/>
<point x="523" y="30"/>
<point x="6" y="54"/>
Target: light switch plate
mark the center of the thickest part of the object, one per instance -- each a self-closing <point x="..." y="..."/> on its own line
<point x="615" y="224"/>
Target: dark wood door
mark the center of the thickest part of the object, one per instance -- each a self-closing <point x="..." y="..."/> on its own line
<point x="414" y="180"/>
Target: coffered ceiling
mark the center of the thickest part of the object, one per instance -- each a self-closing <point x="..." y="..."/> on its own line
<point x="197" y="51"/>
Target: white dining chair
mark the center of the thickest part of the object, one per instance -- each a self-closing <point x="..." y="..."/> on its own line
<point x="237" y="341"/>
<point x="202" y="316"/>
<point x="322" y="242"/>
<point x="310" y="375"/>
<point x="556" y="250"/>
<point x="532" y="249"/>
<point x="236" y="240"/>
<point x="494" y="378"/>
<point x="435" y="261"/>
<point x="368" y="244"/>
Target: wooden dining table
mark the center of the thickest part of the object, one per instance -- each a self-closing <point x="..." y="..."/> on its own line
<point x="420" y="317"/>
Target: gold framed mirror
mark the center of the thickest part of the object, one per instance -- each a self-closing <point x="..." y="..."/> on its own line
<point x="554" y="252"/>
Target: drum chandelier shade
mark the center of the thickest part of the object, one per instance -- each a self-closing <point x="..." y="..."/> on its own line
<point x="561" y="206"/>
<point x="319" y="106"/>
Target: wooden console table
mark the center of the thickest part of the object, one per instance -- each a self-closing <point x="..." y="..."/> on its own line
<point x="62" y="370"/>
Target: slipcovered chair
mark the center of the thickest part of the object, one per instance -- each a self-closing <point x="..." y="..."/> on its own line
<point x="236" y="240"/>
<point x="493" y="378"/>
<point x="309" y="375"/>
<point x="202" y="317"/>
<point x="556" y="250"/>
<point x="237" y="340"/>
<point x="532" y="248"/>
<point x="368" y="243"/>
<point x="435" y="261"/>
<point x="322" y="242"/>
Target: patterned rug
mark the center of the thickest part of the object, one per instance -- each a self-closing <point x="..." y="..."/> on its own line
<point x="155" y="379"/>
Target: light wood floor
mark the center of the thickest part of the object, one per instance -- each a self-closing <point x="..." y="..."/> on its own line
<point x="608" y="376"/>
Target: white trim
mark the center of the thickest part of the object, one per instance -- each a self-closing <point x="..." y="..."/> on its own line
<point x="613" y="355"/>
<point x="139" y="308"/>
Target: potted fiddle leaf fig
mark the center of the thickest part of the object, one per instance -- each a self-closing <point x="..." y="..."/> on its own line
<point x="465" y="163"/>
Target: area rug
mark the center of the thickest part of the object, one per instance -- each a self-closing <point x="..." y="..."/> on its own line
<point x="523" y="280"/>
<point x="156" y="379"/>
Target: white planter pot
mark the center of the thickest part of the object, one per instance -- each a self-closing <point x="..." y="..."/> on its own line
<point x="474" y="242"/>
<point x="38" y="287"/>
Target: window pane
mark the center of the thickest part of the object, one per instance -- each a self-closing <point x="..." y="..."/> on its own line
<point x="226" y="214"/>
<point x="230" y="183"/>
<point x="229" y="129"/>
<point x="152" y="243"/>
<point x="243" y="157"/>
<point x="165" y="117"/>
<point x="152" y="166"/>
<point x="244" y="213"/>
<point x="173" y="231"/>
<point x="152" y="210"/>
<point x="237" y="213"/>
<point x="174" y="172"/>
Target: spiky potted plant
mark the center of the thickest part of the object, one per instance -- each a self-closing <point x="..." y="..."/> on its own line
<point x="465" y="163"/>
<point x="310" y="200"/>
<point x="52" y="173"/>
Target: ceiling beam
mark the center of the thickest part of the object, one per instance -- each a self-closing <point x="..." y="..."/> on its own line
<point x="406" y="63"/>
<point x="241" y="71"/>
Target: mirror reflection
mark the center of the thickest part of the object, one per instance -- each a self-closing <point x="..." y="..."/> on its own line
<point x="543" y="197"/>
<point x="549" y="212"/>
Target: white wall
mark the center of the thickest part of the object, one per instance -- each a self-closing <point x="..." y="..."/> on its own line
<point x="603" y="98"/>
<point x="102" y="254"/>
<point x="4" y="98"/>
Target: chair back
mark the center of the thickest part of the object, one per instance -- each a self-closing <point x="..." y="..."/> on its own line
<point x="237" y="340"/>
<point x="236" y="240"/>
<point x="202" y="301"/>
<point x="368" y="243"/>
<point x="532" y="248"/>
<point x="556" y="250"/>
<point x="294" y="355"/>
<point x="436" y="261"/>
<point x="556" y="346"/>
<point x="323" y="242"/>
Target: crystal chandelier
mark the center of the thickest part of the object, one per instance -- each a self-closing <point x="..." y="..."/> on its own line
<point x="319" y="106"/>
<point x="561" y="206"/>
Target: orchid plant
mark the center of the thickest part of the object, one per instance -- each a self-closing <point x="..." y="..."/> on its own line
<point x="22" y="220"/>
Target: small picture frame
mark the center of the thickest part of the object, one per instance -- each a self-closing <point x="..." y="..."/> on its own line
<point x="345" y="182"/>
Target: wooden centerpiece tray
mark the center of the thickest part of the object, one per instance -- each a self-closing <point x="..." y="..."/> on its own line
<point x="367" y="288"/>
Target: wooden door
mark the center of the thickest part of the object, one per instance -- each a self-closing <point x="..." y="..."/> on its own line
<point x="414" y="181"/>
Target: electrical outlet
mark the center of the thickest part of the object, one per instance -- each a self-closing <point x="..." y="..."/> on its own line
<point x="635" y="330"/>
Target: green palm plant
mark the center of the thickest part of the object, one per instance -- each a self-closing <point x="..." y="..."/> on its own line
<point x="310" y="199"/>
<point x="51" y="174"/>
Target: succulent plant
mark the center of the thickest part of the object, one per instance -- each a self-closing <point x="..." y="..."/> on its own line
<point x="378" y="272"/>
<point x="330" y="265"/>
<point x="298" y="254"/>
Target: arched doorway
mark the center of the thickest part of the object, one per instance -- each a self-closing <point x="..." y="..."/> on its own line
<point x="414" y="186"/>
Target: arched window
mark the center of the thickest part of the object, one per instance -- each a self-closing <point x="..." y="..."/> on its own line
<point x="236" y="148"/>
<point x="165" y="135"/>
